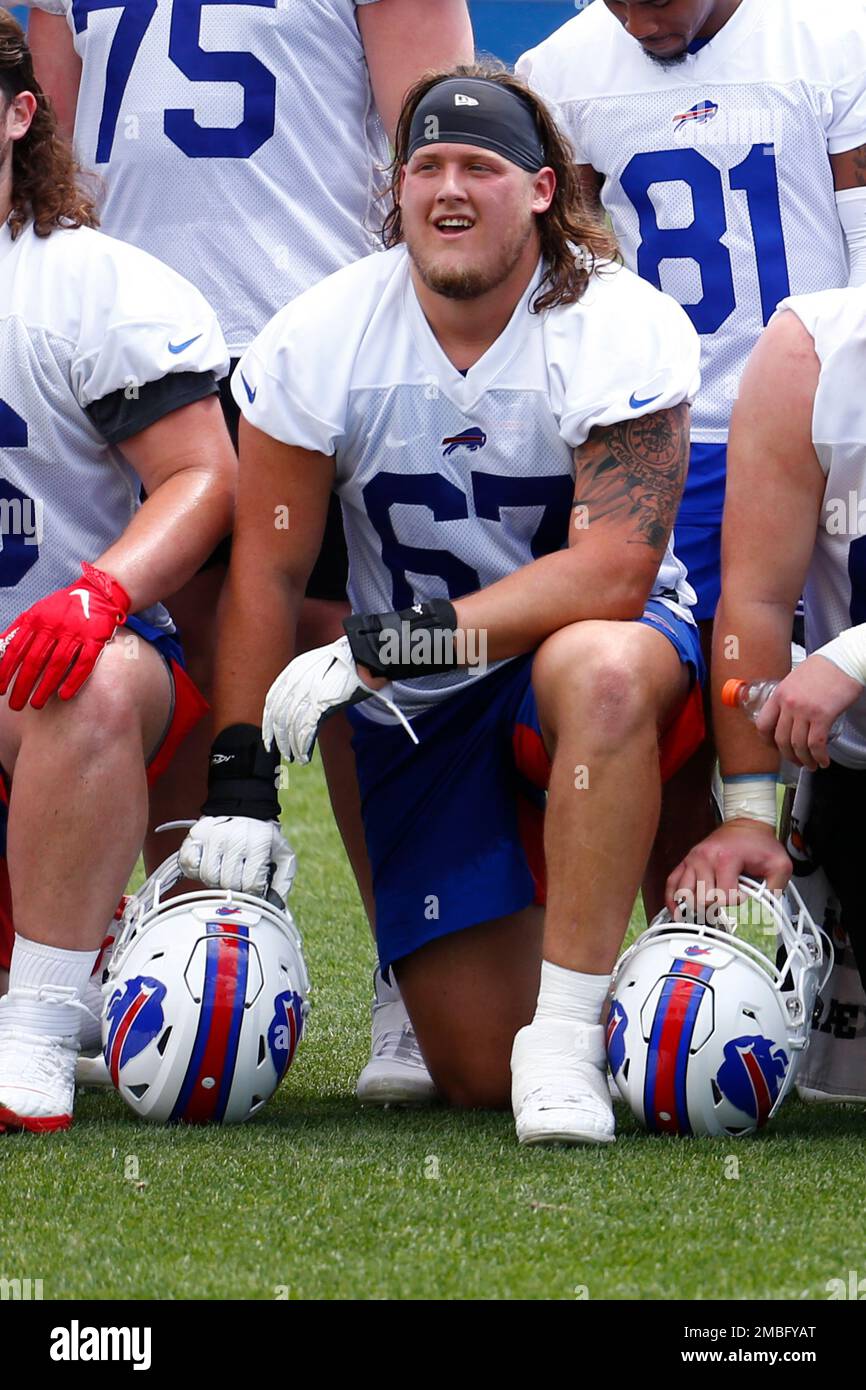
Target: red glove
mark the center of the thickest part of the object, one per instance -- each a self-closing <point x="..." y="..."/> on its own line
<point x="61" y="636"/>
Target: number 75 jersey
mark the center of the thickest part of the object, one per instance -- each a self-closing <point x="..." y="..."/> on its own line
<point x="238" y="141"/>
<point x="717" y="173"/>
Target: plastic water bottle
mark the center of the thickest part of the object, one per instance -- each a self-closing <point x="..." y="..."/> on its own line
<point x="751" y="696"/>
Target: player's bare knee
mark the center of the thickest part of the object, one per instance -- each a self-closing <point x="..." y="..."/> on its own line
<point x="586" y="678"/>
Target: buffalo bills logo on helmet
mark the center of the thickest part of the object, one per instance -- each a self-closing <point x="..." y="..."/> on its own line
<point x="135" y="1018"/>
<point x="697" y="115"/>
<point x="285" y="1030"/>
<point x="473" y="440"/>
<point x="751" y="1075"/>
<point x="617" y="1022"/>
<point x="697" y="950"/>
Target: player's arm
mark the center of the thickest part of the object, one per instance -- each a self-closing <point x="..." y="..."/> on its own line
<point x="849" y="179"/>
<point x="629" y="479"/>
<point x="56" y="64"/>
<point x="188" y="468"/>
<point x="282" y="507"/>
<point x="773" y="497"/>
<point x="404" y="39"/>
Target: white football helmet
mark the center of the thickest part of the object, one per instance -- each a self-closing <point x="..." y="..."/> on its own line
<point x="705" y="1033"/>
<point x="204" y="1003"/>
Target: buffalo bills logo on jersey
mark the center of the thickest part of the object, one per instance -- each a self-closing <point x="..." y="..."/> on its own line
<point x="473" y="440"/>
<point x="135" y="1018"/>
<point x="617" y="1022"/>
<point x="285" y="1030"/>
<point x="751" y="1075"/>
<point x="697" y="950"/>
<point x="227" y="911"/>
<point x="697" y="115"/>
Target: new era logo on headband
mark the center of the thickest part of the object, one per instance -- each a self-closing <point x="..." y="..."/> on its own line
<point x="461" y="100"/>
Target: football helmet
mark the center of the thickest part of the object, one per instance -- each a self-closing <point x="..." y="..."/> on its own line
<point x="204" y="1002"/>
<point x="705" y="1033"/>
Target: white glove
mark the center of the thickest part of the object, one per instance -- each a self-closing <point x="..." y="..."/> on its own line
<point x="237" y="852"/>
<point x="313" y="685"/>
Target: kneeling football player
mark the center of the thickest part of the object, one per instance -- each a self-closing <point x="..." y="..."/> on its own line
<point x="109" y="368"/>
<point x="503" y="411"/>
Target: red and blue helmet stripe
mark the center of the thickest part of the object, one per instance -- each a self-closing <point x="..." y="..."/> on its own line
<point x="215" y="1050"/>
<point x="665" y="1095"/>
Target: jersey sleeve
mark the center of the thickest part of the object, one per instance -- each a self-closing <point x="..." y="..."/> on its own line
<point x="290" y="387"/>
<point x="847" y="126"/>
<point x="140" y="322"/>
<point x="49" y="6"/>
<point x="632" y="352"/>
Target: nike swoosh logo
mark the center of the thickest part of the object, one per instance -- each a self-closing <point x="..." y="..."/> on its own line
<point x="182" y="347"/>
<point x="635" y="404"/>
<point x="85" y="600"/>
<point x="392" y="443"/>
<point x="251" y="395"/>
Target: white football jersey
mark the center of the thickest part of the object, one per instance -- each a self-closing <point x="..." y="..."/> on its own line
<point x="238" y="141"/>
<point x="835" y="591"/>
<point x="450" y="482"/>
<point x="81" y="316"/>
<point x="717" y="174"/>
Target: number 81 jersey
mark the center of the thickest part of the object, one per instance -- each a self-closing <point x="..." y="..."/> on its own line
<point x="717" y="173"/>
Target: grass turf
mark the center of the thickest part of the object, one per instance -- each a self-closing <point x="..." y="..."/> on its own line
<point x="318" y="1198"/>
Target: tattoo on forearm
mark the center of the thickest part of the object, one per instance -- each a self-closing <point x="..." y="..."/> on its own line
<point x="635" y="471"/>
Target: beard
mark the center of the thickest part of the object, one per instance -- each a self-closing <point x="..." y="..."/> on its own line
<point x="471" y="281"/>
<point x="673" y="61"/>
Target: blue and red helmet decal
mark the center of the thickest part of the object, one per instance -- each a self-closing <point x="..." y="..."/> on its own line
<point x="472" y="439"/>
<point x="752" y="1075"/>
<point x="135" y="1019"/>
<point x="284" y="1032"/>
<point x="617" y="1023"/>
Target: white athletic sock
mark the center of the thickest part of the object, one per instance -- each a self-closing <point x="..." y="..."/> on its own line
<point x="33" y="965"/>
<point x="569" y="994"/>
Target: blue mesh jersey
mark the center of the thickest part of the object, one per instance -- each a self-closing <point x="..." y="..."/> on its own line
<point x="717" y="174"/>
<point x="239" y="142"/>
<point x="450" y="482"/>
<point x="81" y="317"/>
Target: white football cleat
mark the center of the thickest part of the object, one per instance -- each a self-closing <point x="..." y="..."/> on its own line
<point x="396" y="1073"/>
<point x="37" y="1070"/>
<point x="559" y="1087"/>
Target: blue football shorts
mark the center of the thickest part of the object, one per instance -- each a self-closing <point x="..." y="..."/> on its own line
<point x="454" y="825"/>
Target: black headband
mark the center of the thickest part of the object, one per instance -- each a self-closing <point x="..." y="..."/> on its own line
<point x="476" y="111"/>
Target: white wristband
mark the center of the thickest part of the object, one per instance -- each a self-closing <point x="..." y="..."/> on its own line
<point x="848" y="651"/>
<point x="752" y="797"/>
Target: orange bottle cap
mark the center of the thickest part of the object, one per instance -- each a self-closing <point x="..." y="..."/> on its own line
<point x="731" y="692"/>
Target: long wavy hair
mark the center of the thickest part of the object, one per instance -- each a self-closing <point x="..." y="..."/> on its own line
<point x="573" y="237"/>
<point x="47" y="182"/>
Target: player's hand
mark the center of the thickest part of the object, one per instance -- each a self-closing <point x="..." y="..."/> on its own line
<point x="55" y="645"/>
<point x="313" y="686"/>
<point x="240" y="853"/>
<point x="800" y="712"/>
<point x="708" y="875"/>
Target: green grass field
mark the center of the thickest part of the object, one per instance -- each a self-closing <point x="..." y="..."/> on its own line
<point x="317" y="1198"/>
